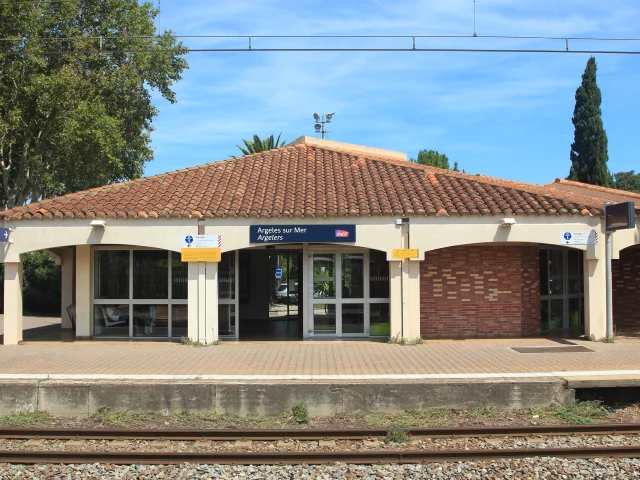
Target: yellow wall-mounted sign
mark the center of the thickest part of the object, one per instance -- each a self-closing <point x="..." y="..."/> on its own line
<point x="405" y="253"/>
<point x="201" y="254"/>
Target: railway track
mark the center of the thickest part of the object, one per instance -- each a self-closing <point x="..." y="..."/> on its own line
<point x="314" y="434"/>
<point x="268" y="457"/>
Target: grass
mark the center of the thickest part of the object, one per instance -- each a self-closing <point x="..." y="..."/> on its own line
<point x="398" y="340"/>
<point x="120" y="418"/>
<point x="300" y="413"/>
<point x="397" y="436"/>
<point x="26" y="419"/>
<point x="428" y="417"/>
<point x="197" y="343"/>
<point x="574" y="413"/>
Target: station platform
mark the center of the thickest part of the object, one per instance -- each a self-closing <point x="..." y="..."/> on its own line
<point x="329" y="376"/>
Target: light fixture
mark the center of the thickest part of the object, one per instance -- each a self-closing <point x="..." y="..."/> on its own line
<point x="321" y="120"/>
<point x="98" y="223"/>
<point x="507" y="221"/>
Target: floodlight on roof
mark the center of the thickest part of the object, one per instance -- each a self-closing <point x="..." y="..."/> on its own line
<point x="320" y="121"/>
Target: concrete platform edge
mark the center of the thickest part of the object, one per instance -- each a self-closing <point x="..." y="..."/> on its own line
<point x="79" y="398"/>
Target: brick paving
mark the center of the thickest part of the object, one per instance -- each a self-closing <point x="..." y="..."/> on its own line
<point x="313" y="358"/>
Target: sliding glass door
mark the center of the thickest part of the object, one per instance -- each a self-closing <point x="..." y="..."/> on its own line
<point x="346" y="299"/>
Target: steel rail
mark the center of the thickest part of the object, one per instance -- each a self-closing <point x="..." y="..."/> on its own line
<point x="312" y="434"/>
<point x="308" y="458"/>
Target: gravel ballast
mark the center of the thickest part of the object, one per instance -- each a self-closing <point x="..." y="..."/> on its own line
<point x="526" y="468"/>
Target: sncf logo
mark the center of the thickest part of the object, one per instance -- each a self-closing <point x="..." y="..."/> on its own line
<point x="342" y="234"/>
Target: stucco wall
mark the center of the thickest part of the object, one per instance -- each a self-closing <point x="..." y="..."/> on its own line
<point x="480" y="291"/>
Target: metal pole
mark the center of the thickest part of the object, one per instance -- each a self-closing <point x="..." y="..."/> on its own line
<point x="609" y="289"/>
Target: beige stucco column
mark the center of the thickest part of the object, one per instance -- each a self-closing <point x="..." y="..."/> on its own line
<point x="595" y="290"/>
<point x="411" y="280"/>
<point x="203" y="302"/>
<point x="83" y="292"/>
<point x="67" y="272"/>
<point x="404" y="278"/>
<point x="211" y="301"/>
<point x="395" y="298"/>
<point x="13" y="303"/>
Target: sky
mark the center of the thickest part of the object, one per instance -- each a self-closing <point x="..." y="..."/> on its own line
<point x="500" y="114"/>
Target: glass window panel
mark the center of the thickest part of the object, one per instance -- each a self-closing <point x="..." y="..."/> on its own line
<point x="544" y="315"/>
<point x="179" y="275"/>
<point x="150" y="274"/>
<point x="556" y="314"/>
<point x="179" y="321"/>
<point x="227" y="276"/>
<point x="378" y="274"/>
<point x="111" y="320"/>
<point x="324" y="276"/>
<point x="575" y="271"/>
<point x="226" y="320"/>
<point x="380" y="319"/>
<point x="111" y="274"/>
<point x="352" y="275"/>
<point x="150" y="320"/>
<point x="555" y="272"/>
<point x="575" y="312"/>
<point x="544" y="272"/>
<point x="324" y="318"/>
<point x="353" y="318"/>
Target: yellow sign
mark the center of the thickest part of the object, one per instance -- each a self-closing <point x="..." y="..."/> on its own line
<point x="201" y="254"/>
<point x="405" y="253"/>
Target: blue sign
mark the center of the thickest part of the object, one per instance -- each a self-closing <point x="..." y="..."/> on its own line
<point x="4" y="235"/>
<point x="302" y="233"/>
<point x="567" y="236"/>
<point x="189" y="240"/>
<point x="278" y="273"/>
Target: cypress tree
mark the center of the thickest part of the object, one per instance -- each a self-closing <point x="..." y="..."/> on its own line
<point x="589" y="148"/>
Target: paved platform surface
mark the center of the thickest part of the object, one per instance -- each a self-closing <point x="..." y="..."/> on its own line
<point x="323" y="360"/>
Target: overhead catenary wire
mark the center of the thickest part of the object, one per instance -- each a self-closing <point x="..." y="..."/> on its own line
<point x="251" y="46"/>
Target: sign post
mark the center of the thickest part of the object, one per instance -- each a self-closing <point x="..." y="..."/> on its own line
<point x="617" y="216"/>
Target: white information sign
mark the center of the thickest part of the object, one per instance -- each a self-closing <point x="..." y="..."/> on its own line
<point x="579" y="238"/>
<point x="201" y="241"/>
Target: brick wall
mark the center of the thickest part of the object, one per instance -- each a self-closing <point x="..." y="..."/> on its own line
<point x="480" y="291"/>
<point x="625" y="275"/>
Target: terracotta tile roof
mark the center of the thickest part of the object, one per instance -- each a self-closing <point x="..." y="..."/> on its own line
<point x="310" y="180"/>
<point x="604" y="193"/>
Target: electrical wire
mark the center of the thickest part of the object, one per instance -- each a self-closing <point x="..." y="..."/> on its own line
<point x="228" y="50"/>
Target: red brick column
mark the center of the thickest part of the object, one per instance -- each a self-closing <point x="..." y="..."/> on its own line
<point x="480" y="291"/>
<point x="625" y="276"/>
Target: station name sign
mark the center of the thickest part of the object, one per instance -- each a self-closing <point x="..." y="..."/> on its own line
<point x="302" y="233"/>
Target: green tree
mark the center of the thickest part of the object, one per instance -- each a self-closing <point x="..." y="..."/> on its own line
<point x="589" y="155"/>
<point x="75" y="93"/>
<point x="257" y="145"/>
<point x="433" y="158"/>
<point x="629" y="181"/>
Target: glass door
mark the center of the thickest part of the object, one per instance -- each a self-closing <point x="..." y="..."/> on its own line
<point x="284" y="286"/>
<point x="324" y="294"/>
<point x="350" y="294"/>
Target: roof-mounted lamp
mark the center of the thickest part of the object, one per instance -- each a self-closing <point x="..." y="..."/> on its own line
<point x="98" y="223"/>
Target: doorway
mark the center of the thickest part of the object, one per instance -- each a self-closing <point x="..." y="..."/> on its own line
<point x="349" y="293"/>
<point x="270" y="295"/>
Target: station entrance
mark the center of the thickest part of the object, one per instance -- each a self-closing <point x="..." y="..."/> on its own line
<point x="303" y="291"/>
<point x="270" y="294"/>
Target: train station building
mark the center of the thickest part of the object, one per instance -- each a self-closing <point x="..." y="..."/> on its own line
<point x="325" y="240"/>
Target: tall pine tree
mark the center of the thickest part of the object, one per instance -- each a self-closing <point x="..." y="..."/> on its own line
<point x="589" y="148"/>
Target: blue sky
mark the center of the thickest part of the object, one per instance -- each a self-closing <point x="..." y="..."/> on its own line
<point x="504" y="115"/>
